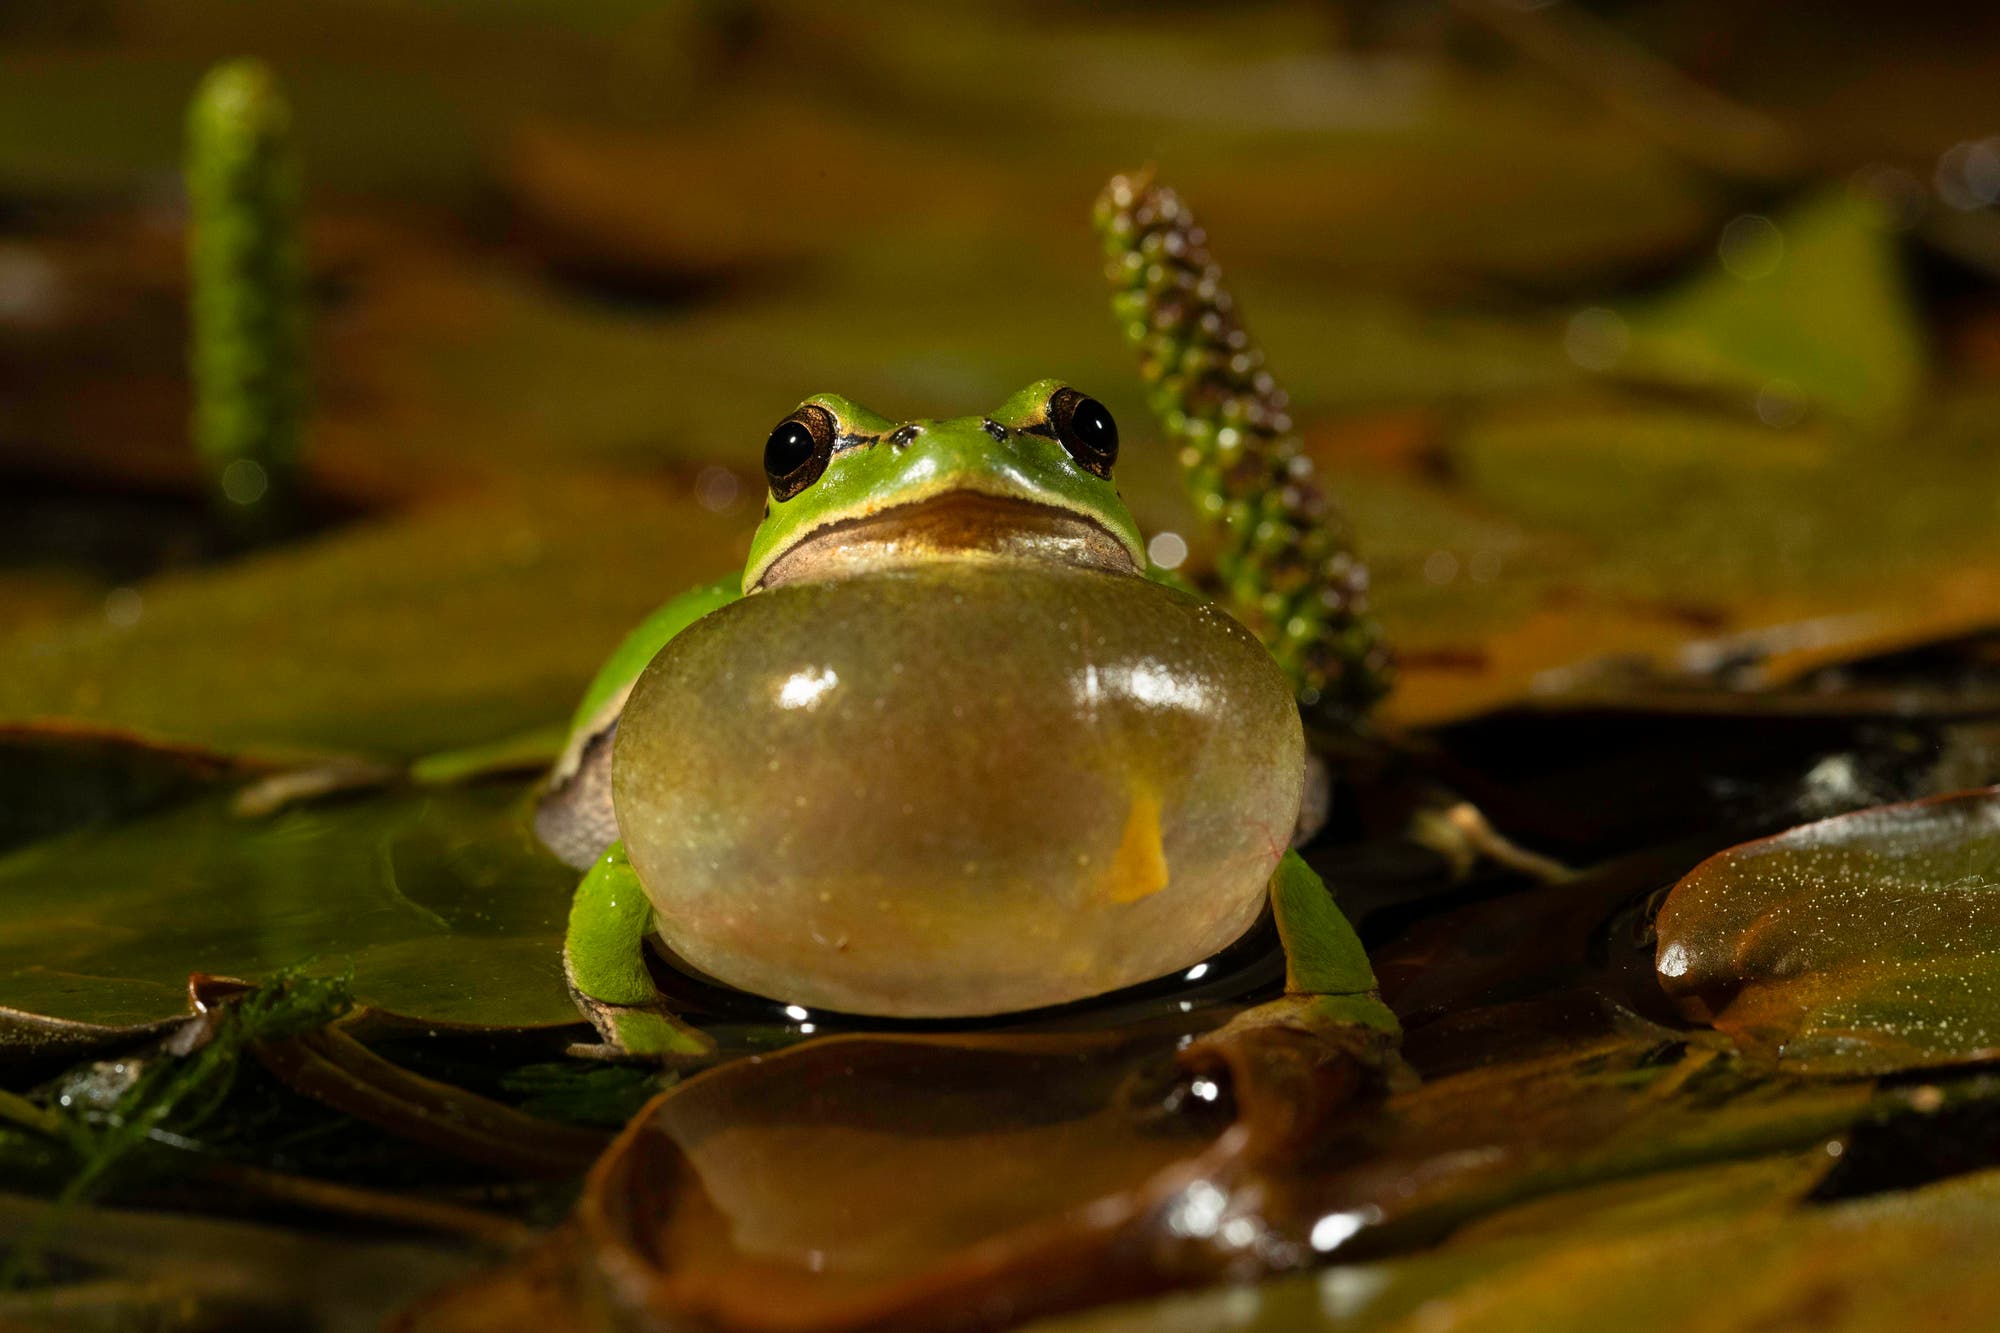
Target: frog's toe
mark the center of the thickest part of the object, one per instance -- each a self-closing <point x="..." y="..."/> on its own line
<point x="642" y="1033"/>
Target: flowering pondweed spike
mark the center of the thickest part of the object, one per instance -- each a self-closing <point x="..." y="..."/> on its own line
<point x="246" y="283"/>
<point x="1285" y="565"/>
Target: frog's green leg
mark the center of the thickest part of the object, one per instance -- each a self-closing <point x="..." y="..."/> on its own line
<point x="604" y="958"/>
<point x="1327" y="1037"/>
<point x="573" y="816"/>
<point x="1329" y="986"/>
<point x="613" y="681"/>
<point x="1327" y="975"/>
<point x="526" y="751"/>
<point x="1323" y="956"/>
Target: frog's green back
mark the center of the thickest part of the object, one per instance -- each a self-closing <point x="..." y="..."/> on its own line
<point x="614" y="679"/>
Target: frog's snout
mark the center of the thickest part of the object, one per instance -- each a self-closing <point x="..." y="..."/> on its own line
<point x="911" y="432"/>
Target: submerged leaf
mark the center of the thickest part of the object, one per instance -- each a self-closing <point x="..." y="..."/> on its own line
<point x="1862" y="944"/>
<point x="331" y="1067"/>
<point x="1032" y="1171"/>
<point x="1712" y="1249"/>
<point x="1038" y="1173"/>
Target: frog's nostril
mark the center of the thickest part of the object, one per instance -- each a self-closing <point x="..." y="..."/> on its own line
<point x="902" y="435"/>
<point x="995" y="429"/>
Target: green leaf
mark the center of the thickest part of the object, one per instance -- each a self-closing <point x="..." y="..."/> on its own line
<point x="438" y="901"/>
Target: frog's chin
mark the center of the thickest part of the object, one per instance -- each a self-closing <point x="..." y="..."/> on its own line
<point x="952" y="525"/>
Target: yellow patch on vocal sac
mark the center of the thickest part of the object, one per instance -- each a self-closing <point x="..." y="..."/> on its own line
<point x="1138" y="868"/>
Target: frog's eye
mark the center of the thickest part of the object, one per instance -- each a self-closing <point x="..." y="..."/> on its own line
<point x="1086" y="429"/>
<point x="797" y="451"/>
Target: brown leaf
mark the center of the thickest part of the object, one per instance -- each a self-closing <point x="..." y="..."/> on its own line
<point x="1862" y="944"/>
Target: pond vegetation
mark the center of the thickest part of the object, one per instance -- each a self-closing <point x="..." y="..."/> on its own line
<point x="1626" y="529"/>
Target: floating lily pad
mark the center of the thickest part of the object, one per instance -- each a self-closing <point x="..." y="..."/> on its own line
<point x="55" y="778"/>
<point x="1862" y="944"/>
<point x="1356" y="1297"/>
<point x="1685" y="524"/>
<point x="438" y="901"/>
<point x="1535" y="1123"/>
<point x="456" y="626"/>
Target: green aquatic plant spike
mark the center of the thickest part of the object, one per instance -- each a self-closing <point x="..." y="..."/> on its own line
<point x="1285" y="564"/>
<point x="247" y="290"/>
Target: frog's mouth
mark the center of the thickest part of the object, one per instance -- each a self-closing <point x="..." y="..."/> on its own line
<point x="952" y="525"/>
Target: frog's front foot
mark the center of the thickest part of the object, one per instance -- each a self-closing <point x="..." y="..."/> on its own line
<point x="1329" y="986"/>
<point x="604" y="961"/>
<point x="647" y="1033"/>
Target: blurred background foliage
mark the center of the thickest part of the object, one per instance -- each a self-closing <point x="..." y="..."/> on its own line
<point x="1614" y="326"/>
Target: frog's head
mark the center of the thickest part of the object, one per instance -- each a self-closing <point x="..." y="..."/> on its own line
<point x="851" y="490"/>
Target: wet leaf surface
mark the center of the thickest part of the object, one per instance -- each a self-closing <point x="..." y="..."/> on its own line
<point x="1024" y="1163"/>
<point x="1031" y="1170"/>
<point x="55" y="778"/>
<point x="438" y="901"/>
<point x="1863" y="944"/>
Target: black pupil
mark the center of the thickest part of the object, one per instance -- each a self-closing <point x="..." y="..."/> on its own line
<point x="788" y="449"/>
<point x="1094" y="429"/>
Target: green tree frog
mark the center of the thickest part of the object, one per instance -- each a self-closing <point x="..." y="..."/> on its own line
<point x="947" y="748"/>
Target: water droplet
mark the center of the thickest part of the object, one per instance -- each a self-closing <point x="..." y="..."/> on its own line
<point x="1751" y="247"/>
<point x="1168" y="550"/>
<point x="1674" y="960"/>
<point x="1596" y="338"/>
<point x="123" y="607"/>
<point x="1780" y="405"/>
<point x="716" y="488"/>
<point x="1440" y="567"/>
<point x="244" y="481"/>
